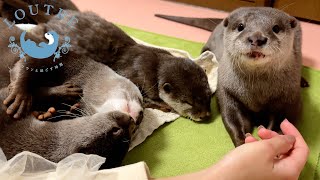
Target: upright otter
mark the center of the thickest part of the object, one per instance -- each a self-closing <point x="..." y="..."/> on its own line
<point x="214" y="42"/>
<point x="260" y="70"/>
<point x="163" y="79"/>
<point x="112" y="108"/>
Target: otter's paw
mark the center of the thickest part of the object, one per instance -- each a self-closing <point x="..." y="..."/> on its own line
<point x="11" y="87"/>
<point x="18" y="103"/>
<point x="68" y="91"/>
<point x="44" y="115"/>
<point x="75" y="107"/>
<point x="75" y="110"/>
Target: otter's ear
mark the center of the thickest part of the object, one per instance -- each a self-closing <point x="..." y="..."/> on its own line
<point x="293" y="22"/>
<point x="225" y="22"/>
<point x="167" y="88"/>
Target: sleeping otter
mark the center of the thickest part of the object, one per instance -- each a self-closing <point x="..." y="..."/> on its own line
<point x="112" y="107"/>
<point x="167" y="82"/>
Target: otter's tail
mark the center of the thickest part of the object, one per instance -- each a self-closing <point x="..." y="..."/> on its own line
<point x="204" y="23"/>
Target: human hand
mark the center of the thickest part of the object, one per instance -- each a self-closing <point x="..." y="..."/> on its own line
<point x="274" y="157"/>
<point x="260" y="159"/>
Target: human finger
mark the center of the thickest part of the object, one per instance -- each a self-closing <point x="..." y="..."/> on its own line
<point x="300" y="150"/>
<point x="278" y="145"/>
<point x="249" y="138"/>
<point x="264" y="133"/>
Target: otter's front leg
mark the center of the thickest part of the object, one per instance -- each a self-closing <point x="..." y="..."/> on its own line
<point x="68" y="91"/>
<point x="19" y="100"/>
<point x="63" y="97"/>
<point x="236" y="119"/>
<point x="293" y="110"/>
<point x="23" y="85"/>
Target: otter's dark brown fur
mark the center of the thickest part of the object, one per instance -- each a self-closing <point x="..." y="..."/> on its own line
<point x="163" y="79"/>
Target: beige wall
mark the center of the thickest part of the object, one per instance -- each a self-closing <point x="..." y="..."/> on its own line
<point x="307" y="9"/>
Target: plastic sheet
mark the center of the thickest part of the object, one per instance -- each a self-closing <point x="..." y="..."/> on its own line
<point x="30" y="166"/>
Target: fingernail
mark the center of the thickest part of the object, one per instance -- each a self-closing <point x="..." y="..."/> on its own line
<point x="248" y="135"/>
<point x="261" y="127"/>
<point x="290" y="139"/>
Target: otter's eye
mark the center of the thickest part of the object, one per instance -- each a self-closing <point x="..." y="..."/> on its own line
<point x="240" y="27"/>
<point x="186" y="102"/>
<point x="167" y="88"/>
<point x="276" y="29"/>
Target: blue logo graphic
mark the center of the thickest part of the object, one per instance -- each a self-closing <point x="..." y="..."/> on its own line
<point x="41" y="51"/>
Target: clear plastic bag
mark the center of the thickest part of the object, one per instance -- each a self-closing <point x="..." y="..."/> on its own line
<point x="30" y="166"/>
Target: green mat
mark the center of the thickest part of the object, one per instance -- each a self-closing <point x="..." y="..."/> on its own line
<point x="184" y="146"/>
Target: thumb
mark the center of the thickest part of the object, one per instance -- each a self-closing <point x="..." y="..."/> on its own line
<point x="280" y="144"/>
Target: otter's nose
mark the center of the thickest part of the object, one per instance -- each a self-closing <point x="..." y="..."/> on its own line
<point x="125" y="122"/>
<point x="257" y="40"/>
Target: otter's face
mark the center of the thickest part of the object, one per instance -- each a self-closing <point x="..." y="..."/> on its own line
<point x="257" y="36"/>
<point x="185" y="88"/>
<point x="113" y="144"/>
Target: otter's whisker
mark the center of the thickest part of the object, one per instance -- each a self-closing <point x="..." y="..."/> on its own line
<point x="77" y="109"/>
<point x="150" y="88"/>
<point x="62" y="116"/>
<point x="68" y="112"/>
<point x="287" y="5"/>
<point x="215" y="23"/>
<point x="144" y="81"/>
<point x="126" y="140"/>
<point x="89" y="108"/>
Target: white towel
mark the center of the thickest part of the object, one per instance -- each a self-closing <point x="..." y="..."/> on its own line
<point x="154" y="118"/>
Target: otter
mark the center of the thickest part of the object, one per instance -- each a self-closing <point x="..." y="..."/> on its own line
<point x="111" y="110"/>
<point x="213" y="44"/>
<point x="260" y="70"/>
<point x="166" y="82"/>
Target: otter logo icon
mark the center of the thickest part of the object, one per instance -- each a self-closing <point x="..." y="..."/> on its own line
<point x="42" y="50"/>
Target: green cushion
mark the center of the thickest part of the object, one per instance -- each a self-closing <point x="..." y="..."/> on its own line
<point x="184" y="146"/>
